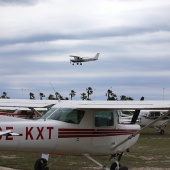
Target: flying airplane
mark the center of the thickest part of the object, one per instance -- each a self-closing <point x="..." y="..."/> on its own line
<point x="75" y="128"/>
<point x="77" y="59"/>
<point x="147" y="116"/>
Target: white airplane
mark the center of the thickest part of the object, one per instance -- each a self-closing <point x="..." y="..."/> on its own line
<point x="25" y="113"/>
<point x="78" y="59"/>
<point x="74" y="128"/>
<point x="147" y="116"/>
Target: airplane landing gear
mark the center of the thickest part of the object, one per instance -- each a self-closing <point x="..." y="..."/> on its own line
<point x="116" y="165"/>
<point x="160" y="131"/>
<point x="41" y="164"/>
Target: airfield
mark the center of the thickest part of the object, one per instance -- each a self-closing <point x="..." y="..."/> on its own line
<point x="151" y="152"/>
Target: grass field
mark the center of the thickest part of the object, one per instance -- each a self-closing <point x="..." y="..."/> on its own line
<point x="151" y="150"/>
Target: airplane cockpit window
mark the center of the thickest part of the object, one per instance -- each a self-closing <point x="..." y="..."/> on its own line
<point x="103" y="118"/>
<point x="154" y="114"/>
<point x="65" y="115"/>
<point x="118" y="115"/>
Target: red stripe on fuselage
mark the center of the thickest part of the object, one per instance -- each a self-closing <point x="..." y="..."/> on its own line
<point x="76" y="133"/>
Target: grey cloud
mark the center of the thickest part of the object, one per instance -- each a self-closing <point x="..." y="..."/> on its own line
<point x="93" y="34"/>
<point x="128" y="63"/>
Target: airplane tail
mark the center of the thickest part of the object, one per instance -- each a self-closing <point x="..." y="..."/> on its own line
<point x="96" y="56"/>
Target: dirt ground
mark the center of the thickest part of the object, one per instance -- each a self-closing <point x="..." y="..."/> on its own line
<point x="3" y="168"/>
<point x="145" y="168"/>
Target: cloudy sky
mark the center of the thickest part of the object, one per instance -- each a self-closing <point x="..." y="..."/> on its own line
<point x="132" y="37"/>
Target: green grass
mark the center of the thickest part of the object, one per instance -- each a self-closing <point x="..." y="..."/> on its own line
<point x="151" y="150"/>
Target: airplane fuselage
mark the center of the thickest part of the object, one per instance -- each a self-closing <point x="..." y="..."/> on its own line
<point x="68" y="138"/>
<point x="77" y="59"/>
<point x="80" y="60"/>
<point x="147" y="117"/>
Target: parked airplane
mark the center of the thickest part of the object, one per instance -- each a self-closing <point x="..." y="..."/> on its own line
<point x="75" y="128"/>
<point x="24" y="113"/>
<point x="147" y="116"/>
<point x="78" y="59"/>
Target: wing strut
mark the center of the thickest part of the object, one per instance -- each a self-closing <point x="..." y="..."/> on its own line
<point x="136" y="114"/>
<point x="96" y="162"/>
<point x="136" y="133"/>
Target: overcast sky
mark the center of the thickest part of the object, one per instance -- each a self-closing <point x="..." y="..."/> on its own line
<point x="132" y="37"/>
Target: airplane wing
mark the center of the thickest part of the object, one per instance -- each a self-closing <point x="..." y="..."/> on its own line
<point x="76" y="57"/>
<point x="7" y="103"/>
<point x="120" y="105"/>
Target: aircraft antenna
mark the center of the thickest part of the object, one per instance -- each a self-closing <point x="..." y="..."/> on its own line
<point x="54" y="91"/>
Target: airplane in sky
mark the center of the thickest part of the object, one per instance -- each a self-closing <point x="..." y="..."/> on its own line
<point x="147" y="116"/>
<point x="85" y="128"/>
<point x="79" y="60"/>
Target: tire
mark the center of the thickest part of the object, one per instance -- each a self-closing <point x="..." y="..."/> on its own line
<point x="114" y="166"/>
<point x="162" y="132"/>
<point x="41" y="164"/>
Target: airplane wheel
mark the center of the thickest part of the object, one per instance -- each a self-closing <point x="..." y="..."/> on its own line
<point x="41" y="164"/>
<point x="115" y="166"/>
<point x="162" y="132"/>
<point x="123" y="168"/>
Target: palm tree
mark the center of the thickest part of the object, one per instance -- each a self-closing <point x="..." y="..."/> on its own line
<point x="123" y="97"/>
<point x="89" y="91"/>
<point x="83" y="96"/>
<point x="109" y="92"/>
<point x="110" y="95"/>
<point x="58" y="96"/>
<point x="4" y="96"/>
<point x="51" y="97"/>
<point x="32" y="95"/>
<point x="41" y="96"/>
<point x="72" y="94"/>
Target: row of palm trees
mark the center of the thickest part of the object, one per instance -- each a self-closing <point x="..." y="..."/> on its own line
<point x="57" y="96"/>
<point x="84" y="96"/>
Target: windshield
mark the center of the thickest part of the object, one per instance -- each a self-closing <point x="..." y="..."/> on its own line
<point x="65" y="115"/>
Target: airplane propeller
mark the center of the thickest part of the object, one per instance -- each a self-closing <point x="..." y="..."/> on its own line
<point x="136" y="114"/>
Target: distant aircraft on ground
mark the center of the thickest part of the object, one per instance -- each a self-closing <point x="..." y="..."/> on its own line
<point x="24" y="113"/>
<point x="147" y="116"/>
<point x="79" y="60"/>
<point x="85" y="128"/>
